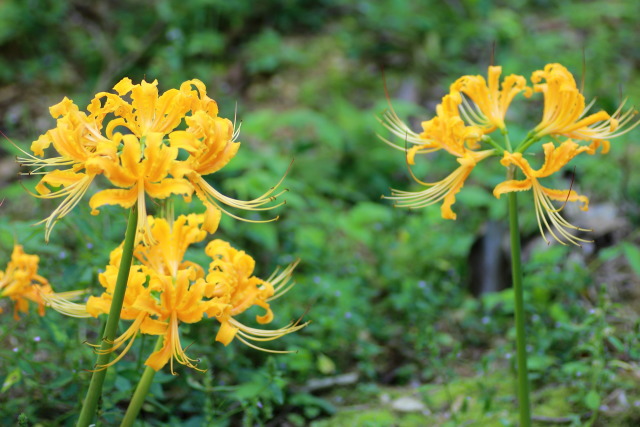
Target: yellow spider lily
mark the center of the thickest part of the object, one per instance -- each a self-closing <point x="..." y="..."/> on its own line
<point x="21" y="283"/>
<point x="443" y="190"/>
<point x="491" y="101"/>
<point x="139" y="174"/>
<point x="164" y="291"/>
<point x="130" y="138"/>
<point x="78" y="139"/>
<point x="231" y="279"/>
<point x="546" y="214"/>
<point x="446" y="131"/>
<point x="565" y="112"/>
<point x="476" y="107"/>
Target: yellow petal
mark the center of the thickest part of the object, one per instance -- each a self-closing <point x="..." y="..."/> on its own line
<point x="226" y="333"/>
<point x="158" y="359"/>
<point x="211" y="218"/>
<point x="124" y="198"/>
<point x="167" y="187"/>
<point x="124" y="86"/>
<point x="513" y="185"/>
<point x="58" y="178"/>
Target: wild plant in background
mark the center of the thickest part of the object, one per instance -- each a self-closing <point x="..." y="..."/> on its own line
<point x="469" y="114"/>
<point x="21" y="283"/>
<point x="132" y="139"/>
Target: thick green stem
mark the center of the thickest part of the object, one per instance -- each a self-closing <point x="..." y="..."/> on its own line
<point x="95" y="387"/>
<point x="523" y="379"/>
<point x="141" y="391"/>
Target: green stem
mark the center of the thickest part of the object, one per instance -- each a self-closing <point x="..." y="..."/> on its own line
<point x="141" y="391"/>
<point x="528" y="141"/>
<point x="95" y="387"/>
<point x="523" y="379"/>
<point x="494" y="144"/>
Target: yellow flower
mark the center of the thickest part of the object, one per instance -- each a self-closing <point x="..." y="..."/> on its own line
<point x="138" y="173"/>
<point x="165" y="290"/>
<point x="474" y="108"/>
<point x="77" y="138"/>
<point x="231" y="279"/>
<point x="443" y="190"/>
<point x="143" y="162"/>
<point x="172" y="241"/>
<point x="181" y="301"/>
<point x="555" y="159"/>
<point x="565" y="112"/>
<point x="21" y="283"/>
<point x="446" y="131"/>
<point x="211" y="144"/>
<point x="491" y="101"/>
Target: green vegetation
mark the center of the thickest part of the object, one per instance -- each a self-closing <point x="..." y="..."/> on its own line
<point x="387" y="290"/>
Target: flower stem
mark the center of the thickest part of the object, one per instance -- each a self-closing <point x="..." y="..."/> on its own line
<point x="528" y="141"/>
<point x="141" y="391"/>
<point x="95" y="387"/>
<point x="523" y="379"/>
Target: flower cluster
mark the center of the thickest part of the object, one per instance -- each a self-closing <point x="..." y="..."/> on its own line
<point x="164" y="290"/>
<point x="146" y="144"/>
<point x="474" y="108"/>
<point x="133" y="139"/>
<point x="21" y="283"/>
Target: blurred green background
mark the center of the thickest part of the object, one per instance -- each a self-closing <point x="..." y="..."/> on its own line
<point x="399" y="334"/>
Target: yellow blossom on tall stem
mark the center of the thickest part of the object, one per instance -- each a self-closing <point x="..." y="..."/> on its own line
<point x="465" y="120"/>
<point x="546" y="214"/>
<point x="144" y="144"/>
<point x="476" y="107"/>
<point x="164" y="290"/>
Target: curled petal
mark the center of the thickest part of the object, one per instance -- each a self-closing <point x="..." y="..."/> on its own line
<point x="124" y="198"/>
<point x="442" y="190"/>
<point x="226" y="333"/>
<point x="510" y="186"/>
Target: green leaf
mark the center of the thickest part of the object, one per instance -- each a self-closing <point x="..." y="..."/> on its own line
<point x="633" y="256"/>
<point x="592" y="400"/>
<point x="540" y="362"/>
<point x="325" y="364"/>
<point x="123" y="384"/>
<point x="13" y="377"/>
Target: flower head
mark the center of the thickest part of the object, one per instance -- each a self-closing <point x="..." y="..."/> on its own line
<point x="491" y="101"/>
<point x="448" y="132"/>
<point x="565" y="112"/>
<point x="21" y="283"/>
<point x="443" y="190"/>
<point x="130" y="138"/>
<point x="164" y="291"/>
<point x="546" y="214"/>
<point x="474" y="108"/>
